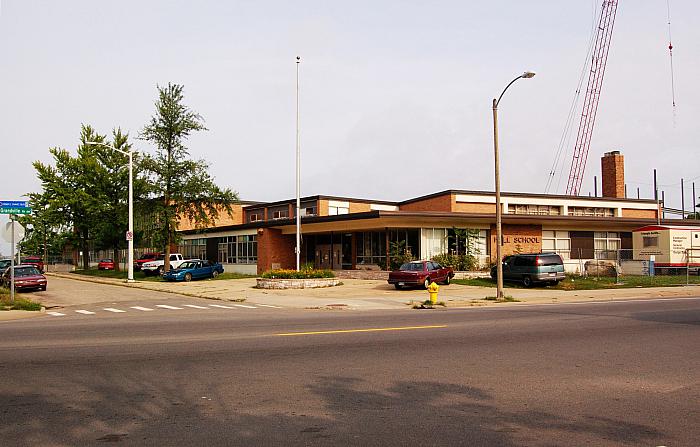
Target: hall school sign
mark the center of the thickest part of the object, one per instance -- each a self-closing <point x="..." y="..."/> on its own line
<point x="519" y="240"/>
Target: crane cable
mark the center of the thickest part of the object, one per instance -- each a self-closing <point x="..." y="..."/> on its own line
<point x="565" y="138"/>
<point x="670" y="54"/>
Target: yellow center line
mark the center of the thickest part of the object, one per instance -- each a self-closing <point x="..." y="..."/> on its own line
<point x="346" y="331"/>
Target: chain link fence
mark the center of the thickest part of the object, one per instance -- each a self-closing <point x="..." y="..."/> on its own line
<point x="674" y="267"/>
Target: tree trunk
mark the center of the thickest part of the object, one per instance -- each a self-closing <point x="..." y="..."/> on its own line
<point x="86" y="254"/>
<point x="115" y="257"/>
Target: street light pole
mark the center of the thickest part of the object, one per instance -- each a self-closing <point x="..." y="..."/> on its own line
<point x="298" y="214"/>
<point x="130" y="236"/>
<point x="497" y="181"/>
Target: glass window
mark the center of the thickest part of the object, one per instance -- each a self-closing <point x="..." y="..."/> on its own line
<point x="557" y="241"/>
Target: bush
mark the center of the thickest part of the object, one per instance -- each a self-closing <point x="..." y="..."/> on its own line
<point x="19" y="304"/>
<point x="302" y="274"/>
<point x="457" y="262"/>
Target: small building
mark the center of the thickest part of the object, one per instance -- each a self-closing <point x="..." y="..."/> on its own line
<point x="670" y="246"/>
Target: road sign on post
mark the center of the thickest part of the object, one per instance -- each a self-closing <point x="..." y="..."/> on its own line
<point x="129" y="235"/>
<point x="15" y="210"/>
<point x="13" y="203"/>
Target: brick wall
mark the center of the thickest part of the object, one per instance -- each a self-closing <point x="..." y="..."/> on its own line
<point x="613" y="174"/>
<point x="224" y="219"/>
<point x="477" y="208"/>
<point x="640" y="214"/>
<point x="522" y="238"/>
<point x="359" y="207"/>
<point x="275" y="248"/>
<point x="322" y="207"/>
<point x="439" y="203"/>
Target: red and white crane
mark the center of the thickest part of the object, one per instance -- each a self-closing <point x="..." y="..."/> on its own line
<point x="599" y="57"/>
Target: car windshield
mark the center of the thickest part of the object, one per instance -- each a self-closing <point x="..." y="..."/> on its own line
<point x="26" y="271"/>
<point x="160" y="257"/>
<point x="188" y="265"/>
<point x="412" y="267"/>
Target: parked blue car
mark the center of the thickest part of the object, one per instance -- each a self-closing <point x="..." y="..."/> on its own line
<point x="194" y="269"/>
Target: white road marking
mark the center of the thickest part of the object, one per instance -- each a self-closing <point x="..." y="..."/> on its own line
<point x="145" y="309"/>
<point x="243" y="305"/>
<point x="220" y="306"/>
<point x="85" y="312"/>
<point x="165" y="306"/>
<point x="195" y="306"/>
<point x="56" y="314"/>
<point x="269" y="305"/>
<point x="111" y="309"/>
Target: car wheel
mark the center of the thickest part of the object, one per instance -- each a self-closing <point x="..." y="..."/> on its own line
<point x="43" y="289"/>
<point x="555" y="283"/>
<point x="527" y="281"/>
<point x="398" y="286"/>
<point x="214" y="274"/>
<point x="188" y="277"/>
<point x="426" y="282"/>
<point x="447" y="280"/>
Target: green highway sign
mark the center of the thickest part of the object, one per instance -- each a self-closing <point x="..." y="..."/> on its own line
<point x="15" y="210"/>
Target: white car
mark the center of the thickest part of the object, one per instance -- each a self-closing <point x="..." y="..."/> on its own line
<point x="158" y="266"/>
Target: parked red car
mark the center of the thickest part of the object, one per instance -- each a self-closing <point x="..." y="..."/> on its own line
<point x="147" y="257"/>
<point x="105" y="264"/>
<point x="36" y="261"/>
<point x="420" y="273"/>
<point x="26" y="277"/>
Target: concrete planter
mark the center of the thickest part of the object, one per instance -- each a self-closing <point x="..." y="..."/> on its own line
<point x="311" y="283"/>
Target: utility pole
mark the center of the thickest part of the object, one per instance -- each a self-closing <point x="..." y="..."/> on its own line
<point x="682" y="199"/>
<point x="298" y="216"/>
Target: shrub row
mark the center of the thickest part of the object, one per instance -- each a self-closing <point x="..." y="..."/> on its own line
<point x="302" y="274"/>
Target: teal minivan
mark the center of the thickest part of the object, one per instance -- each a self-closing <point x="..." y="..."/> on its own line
<point x="532" y="268"/>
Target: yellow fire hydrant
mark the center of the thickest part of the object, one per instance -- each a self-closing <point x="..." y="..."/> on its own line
<point x="433" y="291"/>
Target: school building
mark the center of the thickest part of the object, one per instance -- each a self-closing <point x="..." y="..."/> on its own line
<point x="343" y="233"/>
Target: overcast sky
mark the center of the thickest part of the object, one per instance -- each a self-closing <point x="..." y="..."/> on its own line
<point x="395" y="95"/>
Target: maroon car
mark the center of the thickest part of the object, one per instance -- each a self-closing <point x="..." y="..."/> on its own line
<point x="26" y="277"/>
<point x="36" y="261"/>
<point x="420" y="273"/>
<point x="147" y="257"/>
<point x="105" y="264"/>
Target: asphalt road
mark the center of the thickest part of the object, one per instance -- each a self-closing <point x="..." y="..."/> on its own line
<point x="623" y="373"/>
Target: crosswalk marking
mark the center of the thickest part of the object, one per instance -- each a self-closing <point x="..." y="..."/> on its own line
<point x="145" y="309"/>
<point x="111" y="309"/>
<point x="165" y="306"/>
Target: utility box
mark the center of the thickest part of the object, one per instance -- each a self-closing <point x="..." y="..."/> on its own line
<point x="670" y="245"/>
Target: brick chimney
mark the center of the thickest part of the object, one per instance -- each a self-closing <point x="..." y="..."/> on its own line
<point x="613" y="174"/>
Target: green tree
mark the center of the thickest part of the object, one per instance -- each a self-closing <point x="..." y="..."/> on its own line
<point x="84" y="195"/>
<point x="180" y="187"/>
<point x="68" y="189"/>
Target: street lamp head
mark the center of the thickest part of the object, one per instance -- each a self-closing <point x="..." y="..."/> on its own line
<point x="528" y="74"/>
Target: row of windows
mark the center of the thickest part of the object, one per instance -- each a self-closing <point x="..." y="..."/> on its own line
<point x="282" y="212"/>
<point x="537" y="210"/>
<point x="238" y="249"/>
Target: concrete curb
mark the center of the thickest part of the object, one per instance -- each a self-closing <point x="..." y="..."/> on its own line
<point x="138" y="285"/>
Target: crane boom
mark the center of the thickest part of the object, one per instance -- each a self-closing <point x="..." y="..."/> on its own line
<point x="590" y="103"/>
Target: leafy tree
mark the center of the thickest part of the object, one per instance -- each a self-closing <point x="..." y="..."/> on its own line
<point x="84" y="195"/>
<point x="68" y="189"/>
<point x="180" y="187"/>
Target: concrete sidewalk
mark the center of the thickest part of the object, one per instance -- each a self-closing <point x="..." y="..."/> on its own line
<point x="374" y="294"/>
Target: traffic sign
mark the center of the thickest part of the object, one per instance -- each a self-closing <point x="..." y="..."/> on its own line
<point x="13" y="203"/>
<point x="6" y="232"/>
<point x="15" y="210"/>
<point x="129" y="235"/>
